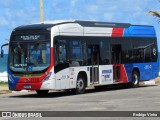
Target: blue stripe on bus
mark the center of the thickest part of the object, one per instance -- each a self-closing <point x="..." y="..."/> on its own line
<point x="140" y="31"/>
<point x="12" y="85"/>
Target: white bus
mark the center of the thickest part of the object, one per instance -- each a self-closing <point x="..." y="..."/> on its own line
<point x="71" y="55"/>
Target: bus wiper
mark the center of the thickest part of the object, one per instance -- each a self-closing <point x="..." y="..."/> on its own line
<point x="19" y="47"/>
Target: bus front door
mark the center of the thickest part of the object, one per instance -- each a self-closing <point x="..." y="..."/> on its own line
<point x="94" y="69"/>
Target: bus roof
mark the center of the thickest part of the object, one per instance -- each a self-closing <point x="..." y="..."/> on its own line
<point x="129" y="30"/>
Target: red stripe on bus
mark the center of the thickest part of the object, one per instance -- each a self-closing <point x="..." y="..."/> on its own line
<point x="119" y="73"/>
<point x="51" y="64"/>
<point x="124" y="74"/>
<point x="117" y="32"/>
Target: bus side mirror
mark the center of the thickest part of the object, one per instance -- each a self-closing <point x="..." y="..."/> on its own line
<point x="60" y="49"/>
<point x="2" y="52"/>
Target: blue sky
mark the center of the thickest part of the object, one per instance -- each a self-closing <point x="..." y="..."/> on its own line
<point x="14" y="13"/>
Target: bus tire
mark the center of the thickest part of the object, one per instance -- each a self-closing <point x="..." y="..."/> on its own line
<point x="42" y="92"/>
<point x="80" y="85"/>
<point x="135" y="79"/>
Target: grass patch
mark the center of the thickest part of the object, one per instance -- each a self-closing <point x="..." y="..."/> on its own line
<point x="3" y="83"/>
<point x="4" y="88"/>
<point x="5" y="91"/>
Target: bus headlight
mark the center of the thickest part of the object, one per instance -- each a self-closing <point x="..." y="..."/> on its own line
<point x="47" y="77"/>
<point x="10" y="79"/>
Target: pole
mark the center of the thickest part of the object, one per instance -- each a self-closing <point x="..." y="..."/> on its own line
<point x="41" y="11"/>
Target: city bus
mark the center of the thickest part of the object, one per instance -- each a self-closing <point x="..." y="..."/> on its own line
<point x="74" y="54"/>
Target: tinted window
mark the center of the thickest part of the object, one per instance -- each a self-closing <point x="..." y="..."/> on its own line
<point x="127" y="51"/>
<point x="61" y="56"/>
<point x="138" y="50"/>
<point x="144" y="49"/>
<point x="62" y="51"/>
<point x="105" y="53"/>
<point x="76" y="50"/>
<point x="154" y="53"/>
<point x="32" y="57"/>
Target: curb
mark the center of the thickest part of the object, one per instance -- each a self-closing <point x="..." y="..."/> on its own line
<point x="151" y="82"/>
<point x="20" y="91"/>
<point x="5" y="92"/>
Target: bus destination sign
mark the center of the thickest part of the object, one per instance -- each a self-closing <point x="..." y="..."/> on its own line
<point x="29" y="37"/>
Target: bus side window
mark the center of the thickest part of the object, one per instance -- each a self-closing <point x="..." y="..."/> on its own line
<point x="154" y="53"/>
<point x="60" y="51"/>
<point x="56" y="52"/>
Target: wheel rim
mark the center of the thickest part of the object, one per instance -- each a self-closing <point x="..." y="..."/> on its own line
<point x="135" y="79"/>
<point x="80" y="84"/>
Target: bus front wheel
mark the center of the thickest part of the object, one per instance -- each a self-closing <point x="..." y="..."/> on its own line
<point x="42" y="92"/>
<point x="135" y="79"/>
<point x="81" y="85"/>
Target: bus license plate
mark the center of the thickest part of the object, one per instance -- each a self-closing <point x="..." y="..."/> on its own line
<point x="26" y="86"/>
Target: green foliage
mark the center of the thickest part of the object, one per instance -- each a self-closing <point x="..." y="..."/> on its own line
<point x="154" y="13"/>
<point x="3" y="83"/>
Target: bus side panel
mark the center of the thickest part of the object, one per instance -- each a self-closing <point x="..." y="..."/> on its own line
<point x="67" y="78"/>
<point x="155" y="70"/>
<point x="129" y="68"/>
<point x="75" y="71"/>
<point x="62" y="79"/>
<point x="12" y="81"/>
<point x="50" y="82"/>
<point x="148" y="71"/>
<point x="105" y="74"/>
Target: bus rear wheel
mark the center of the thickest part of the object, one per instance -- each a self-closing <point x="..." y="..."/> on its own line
<point x="135" y="79"/>
<point x="42" y="92"/>
<point x="81" y="85"/>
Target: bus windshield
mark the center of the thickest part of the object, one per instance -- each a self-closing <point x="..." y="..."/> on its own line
<point x="29" y="57"/>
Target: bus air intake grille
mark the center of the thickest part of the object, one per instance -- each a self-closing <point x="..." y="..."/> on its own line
<point x="34" y="80"/>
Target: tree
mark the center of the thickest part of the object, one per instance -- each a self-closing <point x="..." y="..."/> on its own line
<point x="154" y="13"/>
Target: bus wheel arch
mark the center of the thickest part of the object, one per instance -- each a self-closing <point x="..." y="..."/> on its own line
<point x="81" y="82"/>
<point x="135" y="78"/>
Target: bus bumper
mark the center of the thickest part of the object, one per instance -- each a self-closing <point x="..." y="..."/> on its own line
<point x="45" y="85"/>
<point x="26" y="86"/>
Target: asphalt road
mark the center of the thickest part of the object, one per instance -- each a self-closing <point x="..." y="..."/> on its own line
<point x="145" y="98"/>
